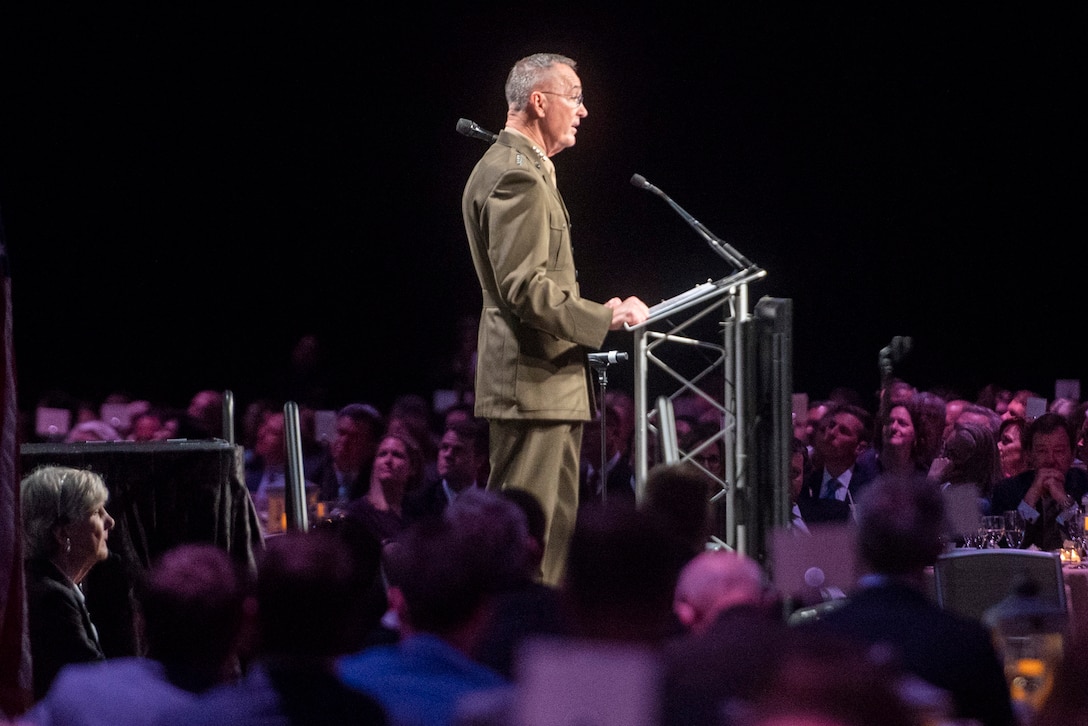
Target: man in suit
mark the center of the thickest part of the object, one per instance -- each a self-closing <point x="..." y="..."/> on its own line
<point x="1048" y="493"/>
<point x="900" y="523"/>
<point x="344" y="474"/>
<point x="828" y="492"/>
<point x="533" y="380"/>
<point x="463" y="445"/>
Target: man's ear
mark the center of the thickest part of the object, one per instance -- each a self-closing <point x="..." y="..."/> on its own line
<point x="535" y="106"/>
<point x="685" y="613"/>
<point x="395" y="598"/>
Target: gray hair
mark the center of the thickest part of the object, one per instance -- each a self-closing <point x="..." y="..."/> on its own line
<point x="53" y="496"/>
<point x="527" y="73"/>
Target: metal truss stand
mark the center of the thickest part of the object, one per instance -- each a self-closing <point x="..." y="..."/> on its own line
<point x="670" y="341"/>
<point x="739" y="369"/>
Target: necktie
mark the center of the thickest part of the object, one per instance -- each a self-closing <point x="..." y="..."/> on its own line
<point x="833" y="487"/>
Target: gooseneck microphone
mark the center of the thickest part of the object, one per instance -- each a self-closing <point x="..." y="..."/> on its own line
<point x="720" y="246"/>
<point x="607" y="358"/>
<point x="473" y="130"/>
<point x="640" y="181"/>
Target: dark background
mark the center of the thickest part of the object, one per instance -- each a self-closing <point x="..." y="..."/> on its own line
<point x="187" y="190"/>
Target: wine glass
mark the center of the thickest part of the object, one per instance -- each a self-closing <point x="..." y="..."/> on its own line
<point x="993" y="527"/>
<point x="1014" y="528"/>
<point x="1075" y="529"/>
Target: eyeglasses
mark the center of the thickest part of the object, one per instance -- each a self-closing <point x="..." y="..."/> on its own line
<point x="576" y="100"/>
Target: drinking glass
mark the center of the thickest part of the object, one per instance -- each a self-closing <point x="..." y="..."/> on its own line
<point x="1014" y="528"/>
<point x="1075" y="529"/>
<point x="993" y="529"/>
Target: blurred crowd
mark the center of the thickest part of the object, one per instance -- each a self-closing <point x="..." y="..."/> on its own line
<point x="415" y="597"/>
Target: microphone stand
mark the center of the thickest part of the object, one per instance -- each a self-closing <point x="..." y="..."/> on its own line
<point x="720" y="246"/>
<point x="600" y="362"/>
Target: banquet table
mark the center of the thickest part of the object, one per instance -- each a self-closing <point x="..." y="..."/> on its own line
<point x="1076" y="591"/>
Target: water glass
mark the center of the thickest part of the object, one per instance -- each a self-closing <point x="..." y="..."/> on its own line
<point x="1014" y="528"/>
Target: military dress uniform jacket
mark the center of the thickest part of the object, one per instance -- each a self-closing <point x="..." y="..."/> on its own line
<point x="535" y="328"/>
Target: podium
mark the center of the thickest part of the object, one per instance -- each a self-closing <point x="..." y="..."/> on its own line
<point x="741" y="369"/>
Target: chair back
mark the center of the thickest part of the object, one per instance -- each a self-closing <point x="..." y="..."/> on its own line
<point x="970" y="581"/>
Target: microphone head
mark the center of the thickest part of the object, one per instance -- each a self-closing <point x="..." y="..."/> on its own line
<point x="640" y="181"/>
<point x="464" y="126"/>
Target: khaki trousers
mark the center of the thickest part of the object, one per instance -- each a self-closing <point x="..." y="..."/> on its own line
<point x="541" y="457"/>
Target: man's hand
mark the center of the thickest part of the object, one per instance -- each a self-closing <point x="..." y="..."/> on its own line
<point x="631" y="311"/>
<point x="1047" y="482"/>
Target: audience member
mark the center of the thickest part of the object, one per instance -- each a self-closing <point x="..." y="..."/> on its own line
<point x="714" y="581"/>
<point x="893" y="392"/>
<point x="1080" y="453"/>
<point x="901" y="522"/>
<point x="980" y="415"/>
<point x="706" y="436"/>
<point x="1048" y="493"/>
<point x="458" y="412"/>
<point x="618" y="481"/>
<point x="377" y="517"/>
<point x="685" y="431"/>
<point x="345" y="473"/>
<point x="309" y="593"/>
<point x="203" y="418"/>
<point x="1065" y="406"/>
<point x="411" y="414"/>
<point x="92" y="431"/>
<point x="191" y="607"/>
<point x="398" y="469"/>
<point x="678" y="495"/>
<point x="898" y="448"/>
<point x="929" y="410"/>
<point x="65" y="532"/>
<point x="970" y="459"/>
<point x="1010" y="446"/>
<point x="528" y="607"/>
<point x="732" y="640"/>
<point x="814" y="427"/>
<point x="443" y="573"/>
<point x="953" y="407"/>
<point x="464" y="412"/>
<point x="994" y="397"/>
<point x="622" y="404"/>
<point x="266" y="468"/>
<point x="821" y="678"/>
<point x="1018" y="404"/>
<point x="150" y="425"/>
<point x="252" y="418"/>
<point x="460" y="451"/>
<point x="800" y="467"/>
<point x="829" y="492"/>
<point x="621" y="575"/>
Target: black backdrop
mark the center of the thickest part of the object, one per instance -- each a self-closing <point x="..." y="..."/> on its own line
<point x="187" y="189"/>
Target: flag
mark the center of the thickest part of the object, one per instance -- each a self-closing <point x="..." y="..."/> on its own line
<point x="15" y="670"/>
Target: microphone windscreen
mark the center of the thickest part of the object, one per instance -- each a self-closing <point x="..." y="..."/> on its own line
<point x="640" y="181"/>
